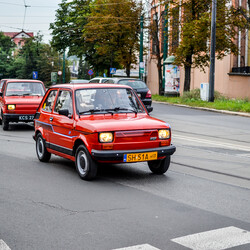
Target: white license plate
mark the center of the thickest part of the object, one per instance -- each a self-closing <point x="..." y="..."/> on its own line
<point x="26" y="117"/>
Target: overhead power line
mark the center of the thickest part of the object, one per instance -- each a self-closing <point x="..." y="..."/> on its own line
<point x="25" y="9"/>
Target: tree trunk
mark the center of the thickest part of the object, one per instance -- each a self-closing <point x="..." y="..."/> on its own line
<point x="128" y="70"/>
<point x="160" y="76"/>
<point x="187" y="73"/>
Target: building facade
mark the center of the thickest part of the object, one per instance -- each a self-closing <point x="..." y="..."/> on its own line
<point x="19" y="37"/>
<point x="232" y="73"/>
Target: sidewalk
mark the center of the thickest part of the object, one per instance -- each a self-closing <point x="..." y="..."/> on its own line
<point x="207" y="109"/>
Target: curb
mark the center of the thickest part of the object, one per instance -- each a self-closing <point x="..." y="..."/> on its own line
<point x="207" y="109"/>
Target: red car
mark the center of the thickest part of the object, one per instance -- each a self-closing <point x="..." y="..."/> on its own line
<point x="93" y="123"/>
<point x="19" y="100"/>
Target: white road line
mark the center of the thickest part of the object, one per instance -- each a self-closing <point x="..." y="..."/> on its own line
<point x="218" y="239"/>
<point x="139" y="247"/>
<point x="214" y="143"/>
<point x="4" y="246"/>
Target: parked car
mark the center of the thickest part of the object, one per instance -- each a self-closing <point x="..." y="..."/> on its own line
<point x="100" y="123"/>
<point x="99" y="80"/>
<point x="19" y="100"/>
<point x="139" y="86"/>
<point x="79" y="81"/>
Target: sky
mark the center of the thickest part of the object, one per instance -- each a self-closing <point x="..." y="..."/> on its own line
<point x="38" y="16"/>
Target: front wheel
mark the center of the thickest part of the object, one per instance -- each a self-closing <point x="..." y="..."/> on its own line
<point x="41" y="151"/>
<point x="85" y="165"/>
<point x="159" y="166"/>
<point x="5" y="123"/>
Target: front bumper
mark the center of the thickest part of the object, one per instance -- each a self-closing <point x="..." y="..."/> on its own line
<point x="19" y="117"/>
<point x="117" y="155"/>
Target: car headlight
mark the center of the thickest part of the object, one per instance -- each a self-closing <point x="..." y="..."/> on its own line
<point x="106" y="137"/>
<point x="164" y="134"/>
<point x="11" y="107"/>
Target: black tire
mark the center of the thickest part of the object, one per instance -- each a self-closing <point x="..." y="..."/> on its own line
<point x="85" y="165"/>
<point x="41" y="151"/>
<point x="5" y="123"/>
<point x="159" y="166"/>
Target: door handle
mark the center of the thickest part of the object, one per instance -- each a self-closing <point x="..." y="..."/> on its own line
<point x="51" y="119"/>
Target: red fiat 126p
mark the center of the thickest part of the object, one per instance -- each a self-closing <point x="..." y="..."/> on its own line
<point x="19" y="100"/>
<point x="93" y="123"/>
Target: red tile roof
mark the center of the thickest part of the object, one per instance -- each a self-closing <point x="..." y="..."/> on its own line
<point x="13" y="34"/>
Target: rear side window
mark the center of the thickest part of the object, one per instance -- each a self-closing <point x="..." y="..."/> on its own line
<point x="135" y="84"/>
<point x="94" y="81"/>
<point x="109" y="81"/>
<point x="49" y="102"/>
<point x="1" y="85"/>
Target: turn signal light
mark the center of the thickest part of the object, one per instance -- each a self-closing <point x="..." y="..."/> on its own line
<point x="107" y="146"/>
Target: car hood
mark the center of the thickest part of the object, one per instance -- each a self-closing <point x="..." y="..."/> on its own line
<point x="119" y="122"/>
<point x="23" y="99"/>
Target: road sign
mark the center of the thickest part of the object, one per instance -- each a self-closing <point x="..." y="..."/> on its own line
<point x="112" y="70"/>
<point x="35" y="74"/>
<point x="90" y="72"/>
<point x="59" y="72"/>
<point x="53" y="77"/>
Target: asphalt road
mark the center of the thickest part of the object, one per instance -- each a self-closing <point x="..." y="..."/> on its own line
<point x="47" y="206"/>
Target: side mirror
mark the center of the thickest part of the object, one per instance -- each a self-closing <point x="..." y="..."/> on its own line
<point x="1" y="94"/>
<point x="149" y="109"/>
<point x="63" y="112"/>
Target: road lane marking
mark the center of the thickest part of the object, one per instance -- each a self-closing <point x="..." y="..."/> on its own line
<point x="4" y="246"/>
<point x="218" y="239"/>
<point x="214" y="143"/>
<point x="139" y="247"/>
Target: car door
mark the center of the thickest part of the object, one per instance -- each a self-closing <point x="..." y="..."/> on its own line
<point x="46" y="114"/>
<point x="61" y="139"/>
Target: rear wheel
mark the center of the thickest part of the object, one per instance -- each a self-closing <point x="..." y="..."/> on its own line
<point x="41" y="151"/>
<point x="5" y="123"/>
<point x="159" y="166"/>
<point x="85" y="165"/>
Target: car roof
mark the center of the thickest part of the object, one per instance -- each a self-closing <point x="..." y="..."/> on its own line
<point x="22" y="80"/>
<point x="89" y="86"/>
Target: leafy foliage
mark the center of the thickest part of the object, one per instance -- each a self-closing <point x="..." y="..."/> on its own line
<point x="6" y="48"/>
<point x="103" y="32"/>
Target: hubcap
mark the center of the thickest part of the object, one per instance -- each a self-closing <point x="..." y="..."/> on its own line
<point x="82" y="162"/>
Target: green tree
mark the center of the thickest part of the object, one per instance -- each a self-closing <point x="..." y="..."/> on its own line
<point x="104" y="33"/>
<point x="35" y="56"/>
<point x="114" y="28"/>
<point x="6" y="58"/>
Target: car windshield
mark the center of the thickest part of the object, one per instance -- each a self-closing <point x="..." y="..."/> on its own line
<point x="24" y="89"/>
<point x="135" y="84"/>
<point x="107" y="100"/>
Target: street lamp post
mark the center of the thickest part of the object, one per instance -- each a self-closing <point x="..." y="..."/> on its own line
<point x="141" y="66"/>
<point x="212" y="52"/>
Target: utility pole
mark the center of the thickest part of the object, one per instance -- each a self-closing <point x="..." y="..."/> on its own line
<point x="64" y="66"/>
<point x="165" y="43"/>
<point x="212" y="52"/>
<point x="141" y="65"/>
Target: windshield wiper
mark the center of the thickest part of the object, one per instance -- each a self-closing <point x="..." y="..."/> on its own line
<point x="124" y="109"/>
<point x="92" y="111"/>
<point x="26" y="94"/>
